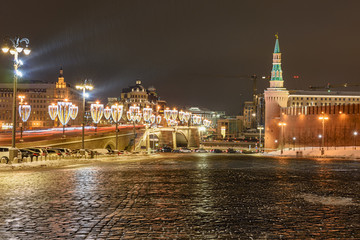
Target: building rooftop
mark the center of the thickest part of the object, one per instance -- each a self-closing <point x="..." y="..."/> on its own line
<point x="322" y="93"/>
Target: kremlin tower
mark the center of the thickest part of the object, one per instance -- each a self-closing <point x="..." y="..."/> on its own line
<point x="276" y="97"/>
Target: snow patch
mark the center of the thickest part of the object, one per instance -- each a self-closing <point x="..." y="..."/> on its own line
<point x="340" y="201"/>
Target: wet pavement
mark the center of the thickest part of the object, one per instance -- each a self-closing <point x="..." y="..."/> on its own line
<point x="184" y="196"/>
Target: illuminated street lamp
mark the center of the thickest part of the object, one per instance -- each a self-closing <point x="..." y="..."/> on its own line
<point x="323" y="118"/>
<point x="116" y="113"/>
<point x="174" y="114"/>
<point x="187" y="117"/>
<point x="282" y="125"/>
<point x="97" y="111"/>
<point x="16" y="47"/>
<point x="182" y="116"/>
<point x="294" y="139"/>
<point x="53" y="111"/>
<point x="147" y="111"/>
<point x="107" y="113"/>
<point x="73" y="111"/>
<point x="63" y="112"/>
<point x="24" y="113"/>
<point x="355" y="134"/>
<point x="152" y="119"/>
<point x="85" y="86"/>
<point x="133" y="115"/>
<point x="158" y="119"/>
<point x="260" y="128"/>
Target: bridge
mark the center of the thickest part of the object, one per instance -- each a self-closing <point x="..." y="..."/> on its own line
<point x="179" y="136"/>
<point x="105" y="137"/>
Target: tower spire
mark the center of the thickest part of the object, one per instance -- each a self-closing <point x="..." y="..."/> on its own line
<point x="276" y="72"/>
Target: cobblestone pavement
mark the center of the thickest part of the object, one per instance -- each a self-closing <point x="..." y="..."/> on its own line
<point x="184" y="196"/>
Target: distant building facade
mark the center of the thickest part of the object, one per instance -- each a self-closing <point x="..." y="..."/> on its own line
<point x="39" y="95"/>
<point x="230" y="128"/>
<point x="139" y="95"/>
<point x="213" y="116"/>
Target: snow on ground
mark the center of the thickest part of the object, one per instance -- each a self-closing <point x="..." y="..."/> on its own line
<point x="332" y="152"/>
<point x="342" y="201"/>
<point x="77" y="161"/>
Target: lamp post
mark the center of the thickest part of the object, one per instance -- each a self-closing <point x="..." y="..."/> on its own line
<point x="116" y="113"/>
<point x="97" y="111"/>
<point x="282" y="125"/>
<point x="24" y="112"/>
<point x="133" y="115"/>
<point x="355" y="134"/>
<point x="294" y="139"/>
<point x="63" y="113"/>
<point x="17" y="46"/>
<point x="85" y="86"/>
<point x="323" y="118"/>
<point x="260" y="128"/>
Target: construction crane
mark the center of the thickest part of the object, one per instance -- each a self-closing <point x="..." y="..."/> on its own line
<point x="330" y="86"/>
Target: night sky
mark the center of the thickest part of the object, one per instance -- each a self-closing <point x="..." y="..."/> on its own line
<point x="196" y="53"/>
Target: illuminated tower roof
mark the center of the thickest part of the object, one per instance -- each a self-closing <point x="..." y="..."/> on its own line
<point x="276" y="72"/>
<point x="61" y="83"/>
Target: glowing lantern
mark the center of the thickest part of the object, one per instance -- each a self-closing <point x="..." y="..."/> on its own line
<point x="167" y="113"/>
<point x="107" y="113"/>
<point x="63" y="111"/>
<point x="129" y="115"/>
<point x="158" y="119"/>
<point x="138" y="117"/>
<point x="147" y="114"/>
<point x="74" y="111"/>
<point x="181" y="115"/>
<point x="96" y="111"/>
<point x="132" y="113"/>
<point x="152" y="119"/>
<point x="198" y="120"/>
<point x="53" y="111"/>
<point x="116" y="112"/>
<point x="24" y="112"/>
<point x="206" y="123"/>
<point x="174" y="114"/>
<point x="187" y="116"/>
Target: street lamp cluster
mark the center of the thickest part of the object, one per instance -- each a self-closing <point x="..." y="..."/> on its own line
<point x="24" y="113"/>
<point x="15" y="46"/>
<point x="64" y="111"/>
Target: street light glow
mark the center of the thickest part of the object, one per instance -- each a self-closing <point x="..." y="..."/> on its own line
<point x="17" y="72"/>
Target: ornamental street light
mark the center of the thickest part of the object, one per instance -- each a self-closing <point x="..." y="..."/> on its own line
<point x="63" y="112"/>
<point x="116" y="113"/>
<point x="260" y="128"/>
<point x="323" y="118"/>
<point x="107" y="113"/>
<point x="74" y="111"/>
<point x="355" y="134"/>
<point x="97" y="111"/>
<point x="282" y="125"/>
<point x="24" y="113"/>
<point x="147" y="112"/>
<point x="294" y="139"/>
<point x="15" y="48"/>
<point x="134" y="115"/>
<point x="85" y="86"/>
<point x="53" y="111"/>
<point x="320" y="137"/>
